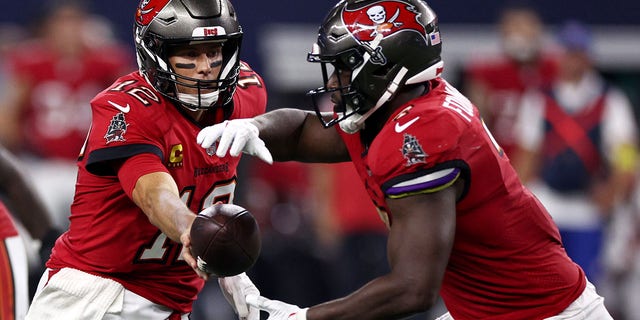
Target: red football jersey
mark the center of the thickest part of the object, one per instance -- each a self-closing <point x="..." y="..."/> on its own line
<point x="507" y="261"/>
<point x="109" y="235"/>
<point x="56" y="116"/>
<point x="505" y="81"/>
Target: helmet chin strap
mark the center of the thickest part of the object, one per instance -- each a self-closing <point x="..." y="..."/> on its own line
<point x="356" y="121"/>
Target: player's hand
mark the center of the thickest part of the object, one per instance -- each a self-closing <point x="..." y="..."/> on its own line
<point x="185" y="239"/>
<point x="277" y="310"/>
<point x="235" y="136"/>
<point x="235" y="290"/>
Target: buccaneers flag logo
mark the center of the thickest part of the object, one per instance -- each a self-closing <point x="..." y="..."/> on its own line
<point x="148" y="9"/>
<point x="382" y="18"/>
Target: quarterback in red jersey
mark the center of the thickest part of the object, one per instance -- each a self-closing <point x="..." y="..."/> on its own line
<point x="461" y="224"/>
<point x="141" y="175"/>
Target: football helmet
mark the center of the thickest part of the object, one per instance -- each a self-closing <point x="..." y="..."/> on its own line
<point x="384" y="44"/>
<point x="160" y="24"/>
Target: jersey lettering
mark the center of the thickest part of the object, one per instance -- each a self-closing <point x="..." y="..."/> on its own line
<point x="458" y="103"/>
<point x="248" y="80"/>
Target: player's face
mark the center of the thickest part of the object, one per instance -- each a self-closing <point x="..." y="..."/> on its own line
<point x="521" y="33"/>
<point x="199" y="61"/>
<point x="338" y="79"/>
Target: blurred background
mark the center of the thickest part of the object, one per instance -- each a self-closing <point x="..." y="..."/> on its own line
<point x="322" y="236"/>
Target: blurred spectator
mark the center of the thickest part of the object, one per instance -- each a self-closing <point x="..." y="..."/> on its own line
<point x="495" y="84"/>
<point x="579" y="149"/>
<point x="44" y="107"/>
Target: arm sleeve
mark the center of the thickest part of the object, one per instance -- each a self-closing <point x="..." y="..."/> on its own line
<point x="137" y="166"/>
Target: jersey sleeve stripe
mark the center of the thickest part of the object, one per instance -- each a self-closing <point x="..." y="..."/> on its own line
<point x="427" y="183"/>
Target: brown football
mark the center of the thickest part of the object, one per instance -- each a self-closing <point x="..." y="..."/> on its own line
<point x="225" y="240"/>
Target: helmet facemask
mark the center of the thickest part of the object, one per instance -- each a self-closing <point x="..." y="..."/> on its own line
<point x="351" y="102"/>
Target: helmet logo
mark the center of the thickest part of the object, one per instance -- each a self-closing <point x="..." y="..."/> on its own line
<point x="148" y="9"/>
<point x="382" y="18"/>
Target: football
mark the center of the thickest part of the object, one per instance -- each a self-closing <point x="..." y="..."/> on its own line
<point x="225" y="240"/>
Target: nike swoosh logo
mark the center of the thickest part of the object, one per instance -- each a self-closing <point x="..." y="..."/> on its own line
<point x="121" y="108"/>
<point x="400" y="128"/>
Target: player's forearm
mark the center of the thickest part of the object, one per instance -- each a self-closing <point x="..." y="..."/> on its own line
<point x="387" y="297"/>
<point x="281" y="129"/>
<point x="158" y="198"/>
<point x="293" y="134"/>
<point x="172" y="217"/>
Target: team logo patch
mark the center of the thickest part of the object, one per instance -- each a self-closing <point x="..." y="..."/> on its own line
<point x="412" y="150"/>
<point x="383" y="18"/>
<point x="117" y="129"/>
<point x="148" y="9"/>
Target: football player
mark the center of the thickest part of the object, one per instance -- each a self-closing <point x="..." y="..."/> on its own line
<point x="142" y="177"/>
<point x="461" y="225"/>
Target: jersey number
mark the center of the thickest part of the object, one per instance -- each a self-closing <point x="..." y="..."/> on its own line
<point x="161" y="249"/>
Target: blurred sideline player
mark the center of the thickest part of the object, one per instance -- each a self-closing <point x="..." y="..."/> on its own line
<point x="461" y="224"/>
<point x="495" y="84"/>
<point x="18" y="203"/>
<point x="44" y="112"/>
<point x="142" y="177"/>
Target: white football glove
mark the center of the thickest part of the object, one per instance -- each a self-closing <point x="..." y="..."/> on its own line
<point x="277" y="310"/>
<point x="235" y="289"/>
<point x="239" y="134"/>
